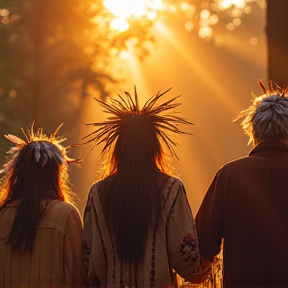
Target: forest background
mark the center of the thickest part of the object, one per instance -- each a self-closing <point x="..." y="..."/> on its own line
<point x="55" y="56"/>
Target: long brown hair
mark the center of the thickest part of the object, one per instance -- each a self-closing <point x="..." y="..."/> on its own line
<point x="36" y="172"/>
<point x="132" y="193"/>
<point x="136" y="168"/>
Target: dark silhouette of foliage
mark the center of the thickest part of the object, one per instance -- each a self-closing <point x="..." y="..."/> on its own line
<point x="51" y="54"/>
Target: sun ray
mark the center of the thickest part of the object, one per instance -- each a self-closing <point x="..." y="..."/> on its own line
<point x="127" y="8"/>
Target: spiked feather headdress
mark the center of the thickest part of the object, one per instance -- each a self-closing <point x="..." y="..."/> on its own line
<point x="267" y="108"/>
<point x="123" y="109"/>
<point x="44" y="147"/>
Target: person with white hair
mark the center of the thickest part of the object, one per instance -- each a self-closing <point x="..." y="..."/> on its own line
<point x="246" y="205"/>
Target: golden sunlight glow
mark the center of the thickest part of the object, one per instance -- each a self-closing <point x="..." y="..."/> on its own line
<point x="225" y="4"/>
<point x="119" y="24"/>
<point x="190" y="68"/>
<point x="141" y="75"/>
<point x="208" y="17"/>
<point x="205" y="32"/>
<point x="213" y="19"/>
<point x="253" y="41"/>
<point x="189" y="25"/>
<point x="152" y="15"/>
<point x="236" y="21"/>
<point x="230" y="26"/>
<point x="4" y="12"/>
<point x="184" y="6"/>
<point x="123" y="9"/>
<point x="205" y="14"/>
<point x="127" y="8"/>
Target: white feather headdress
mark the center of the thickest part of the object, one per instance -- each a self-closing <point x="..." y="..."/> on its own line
<point x="45" y="147"/>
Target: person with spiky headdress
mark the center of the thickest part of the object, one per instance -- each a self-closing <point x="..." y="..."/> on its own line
<point x="41" y="232"/>
<point x="138" y="225"/>
<point x="246" y="204"/>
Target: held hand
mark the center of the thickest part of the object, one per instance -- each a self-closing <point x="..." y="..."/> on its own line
<point x="203" y="271"/>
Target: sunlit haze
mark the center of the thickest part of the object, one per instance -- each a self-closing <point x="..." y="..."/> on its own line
<point x="127" y="8"/>
<point x="215" y="84"/>
<point x="123" y="9"/>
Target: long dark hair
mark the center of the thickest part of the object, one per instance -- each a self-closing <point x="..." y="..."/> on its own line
<point x="132" y="191"/>
<point x="135" y="167"/>
<point x="37" y="172"/>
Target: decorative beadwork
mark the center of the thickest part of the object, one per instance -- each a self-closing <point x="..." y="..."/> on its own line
<point x="187" y="249"/>
<point x="86" y="255"/>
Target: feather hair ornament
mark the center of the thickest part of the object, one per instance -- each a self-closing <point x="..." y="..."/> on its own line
<point x="126" y="108"/>
<point x="258" y="117"/>
<point x="45" y="147"/>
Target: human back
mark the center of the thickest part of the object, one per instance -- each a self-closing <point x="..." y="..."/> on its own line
<point x="57" y="237"/>
<point x="41" y="231"/>
<point x="255" y="219"/>
<point x="137" y="216"/>
<point x="246" y="203"/>
<point x="162" y="246"/>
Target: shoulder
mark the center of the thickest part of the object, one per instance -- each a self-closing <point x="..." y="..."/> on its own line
<point x="173" y="189"/>
<point x="95" y="188"/>
<point x="234" y="165"/>
<point x="175" y="184"/>
<point x="94" y="191"/>
<point x="58" y="214"/>
<point x="176" y="181"/>
<point x="175" y="197"/>
<point x="64" y="208"/>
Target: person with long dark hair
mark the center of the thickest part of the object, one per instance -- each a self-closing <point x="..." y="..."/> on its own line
<point x="41" y="231"/>
<point x="138" y="225"/>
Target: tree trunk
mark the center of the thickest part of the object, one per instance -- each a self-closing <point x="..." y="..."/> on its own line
<point x="277" y="38"/>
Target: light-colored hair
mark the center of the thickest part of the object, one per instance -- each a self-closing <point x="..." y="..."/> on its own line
<point x="267" y="117"/>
